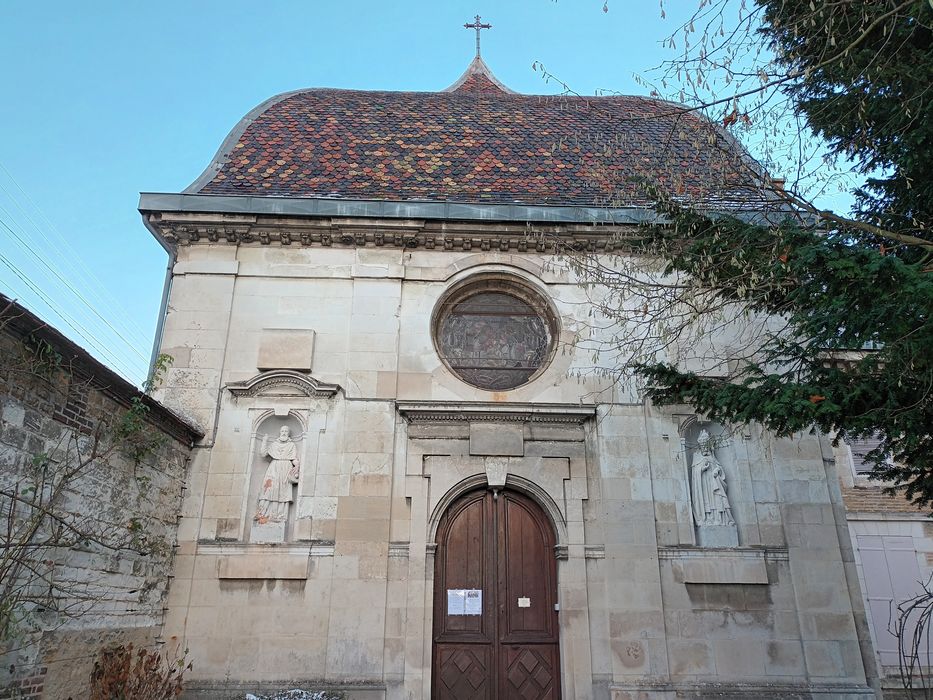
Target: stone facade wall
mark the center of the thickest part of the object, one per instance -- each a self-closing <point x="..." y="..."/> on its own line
<point x="335" y="342"/>
<point x="56" y="409"/>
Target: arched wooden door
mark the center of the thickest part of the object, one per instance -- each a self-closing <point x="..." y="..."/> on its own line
<point x="495" y="596"/>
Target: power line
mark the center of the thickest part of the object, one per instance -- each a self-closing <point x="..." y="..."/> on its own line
<point x="69" y="256"/>
<point x="113" y="360"/>
<point x="74" y="325"/>
<point x="90" y="276"/>
<point x="74" y="291"/>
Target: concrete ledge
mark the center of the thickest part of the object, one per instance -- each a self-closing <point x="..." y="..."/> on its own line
<point x="251" y="205"/>
<point x="314" y="548"/>
<point x="696" y="565"/>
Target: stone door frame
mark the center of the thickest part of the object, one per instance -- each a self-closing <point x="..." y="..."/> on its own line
<point x="495" y="627"/>
<point x="431" y="432"/>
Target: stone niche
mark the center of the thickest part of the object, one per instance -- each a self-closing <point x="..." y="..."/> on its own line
<point x="711" y="479"/>
<point x="276" y="467"/>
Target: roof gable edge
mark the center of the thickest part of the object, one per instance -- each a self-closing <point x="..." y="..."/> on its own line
<point x="226" y="146"/>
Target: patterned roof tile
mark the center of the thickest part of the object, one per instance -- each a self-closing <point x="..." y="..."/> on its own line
<point x="477" y="142"/>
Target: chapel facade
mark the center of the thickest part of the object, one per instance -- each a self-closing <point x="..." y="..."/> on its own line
<point x="412" y="484"/>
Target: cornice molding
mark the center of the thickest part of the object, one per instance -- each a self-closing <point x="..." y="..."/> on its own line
<point x="264" y="381"/>
<point x="194" y="229"/>
<point x="443" y="412"/>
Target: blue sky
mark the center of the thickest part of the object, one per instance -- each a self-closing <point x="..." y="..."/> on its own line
<point x="103" y="100"/>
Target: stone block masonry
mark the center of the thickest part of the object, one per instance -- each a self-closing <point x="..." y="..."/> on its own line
<point x="103" y="495"/>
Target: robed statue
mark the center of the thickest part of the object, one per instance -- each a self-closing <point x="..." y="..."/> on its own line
<point x="282" y="473"/>
<point x="708" y="486"/>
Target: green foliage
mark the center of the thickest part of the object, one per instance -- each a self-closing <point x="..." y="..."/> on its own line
<point x="44" y="360"/>
<point x="836" y="296"/>
<point x="137" y="439"/>
<point x="856" y="354"/>
<point x="866" y="73"/>
<point x="162" y="364"/>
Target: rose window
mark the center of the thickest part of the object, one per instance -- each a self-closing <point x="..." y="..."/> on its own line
<point x="495" y="336"/>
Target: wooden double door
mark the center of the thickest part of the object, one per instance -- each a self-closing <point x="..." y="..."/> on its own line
<point x="495" y="595"/>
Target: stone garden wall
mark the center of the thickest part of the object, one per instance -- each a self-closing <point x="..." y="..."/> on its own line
<point x="99" y="470"/>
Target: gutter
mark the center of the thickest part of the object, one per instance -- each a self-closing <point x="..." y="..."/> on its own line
<point x="186" y="203"/>
<point x="166" y="290"/>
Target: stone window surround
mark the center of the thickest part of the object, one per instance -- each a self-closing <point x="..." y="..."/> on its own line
<point x="506" y="283"/>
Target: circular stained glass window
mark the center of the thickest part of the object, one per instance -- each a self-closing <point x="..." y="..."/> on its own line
<point x="495" y="335"/>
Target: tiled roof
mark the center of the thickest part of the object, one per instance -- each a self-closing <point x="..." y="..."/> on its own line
<point x="476" y="142"/>
<point x="870" y="499"/>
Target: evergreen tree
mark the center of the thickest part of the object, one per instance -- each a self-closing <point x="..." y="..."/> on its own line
<point x="856" y="357"/>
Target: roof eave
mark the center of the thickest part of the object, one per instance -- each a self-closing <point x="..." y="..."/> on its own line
<point x="23" y="323"/>
<point x="151" y="202"/>
<point x="156" y="202"/>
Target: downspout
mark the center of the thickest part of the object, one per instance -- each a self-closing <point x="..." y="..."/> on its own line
<point x="166" y="290"/>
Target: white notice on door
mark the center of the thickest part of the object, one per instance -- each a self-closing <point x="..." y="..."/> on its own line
<point x="464" y="601"/>
<point x="455" y="604"/>
<point x="524" y="602"/>
<point x="473" y="602"/>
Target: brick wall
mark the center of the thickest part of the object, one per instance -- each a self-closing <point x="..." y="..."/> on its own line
<point x="60" y="431"/>
<point x="27" y="686"/>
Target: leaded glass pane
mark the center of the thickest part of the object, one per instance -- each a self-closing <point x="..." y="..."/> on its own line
<point x="494" y="340"/>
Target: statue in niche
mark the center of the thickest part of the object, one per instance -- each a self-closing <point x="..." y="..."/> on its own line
<point x="275" y="493"/>
<point x="708" y="487"/>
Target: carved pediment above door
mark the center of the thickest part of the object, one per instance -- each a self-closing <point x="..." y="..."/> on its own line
<point x="494" y="412"/>
<point x="496" y="429"/>
<point x="283" y="382"/>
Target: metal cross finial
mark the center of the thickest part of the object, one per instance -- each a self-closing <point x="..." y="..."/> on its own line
<point x="477" y="25"/>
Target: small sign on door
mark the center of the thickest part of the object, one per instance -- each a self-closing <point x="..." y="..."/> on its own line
<point x="524" y="602"/>
<point x="464" y="601"/>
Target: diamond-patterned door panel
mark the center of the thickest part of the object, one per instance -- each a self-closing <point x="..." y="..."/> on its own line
<point x="464" y="672"/>
<point x="530" y="673"/>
